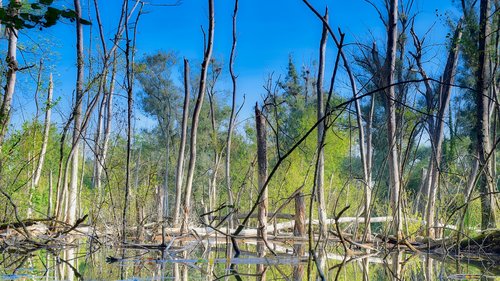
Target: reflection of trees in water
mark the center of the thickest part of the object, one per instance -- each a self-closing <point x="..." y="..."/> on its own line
<point x="74" y="264"/>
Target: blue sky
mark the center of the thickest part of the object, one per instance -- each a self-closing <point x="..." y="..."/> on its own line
<point x="268" y="31"/>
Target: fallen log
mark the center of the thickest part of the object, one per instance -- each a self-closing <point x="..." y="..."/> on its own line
<point x="24" y="223"/>
<point x="290" y="224"/>
<point x="487" y="242"/>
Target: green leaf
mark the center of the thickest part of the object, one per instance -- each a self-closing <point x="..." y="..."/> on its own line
<point x="46" y="2"/>
<point x="85" y="22"/>
<point x="36" y="6"/>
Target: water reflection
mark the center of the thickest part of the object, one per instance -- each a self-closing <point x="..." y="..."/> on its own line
<point x="211" y="263"/>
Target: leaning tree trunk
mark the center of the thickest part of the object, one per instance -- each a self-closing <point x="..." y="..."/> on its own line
<point x="45" y="139"/>
<point x="12" y="68"/>
<point x="394" y="169"/>
<point x="196" y="116"/>
<point x="232" y="116"/>
<point x="320" y="171"/>
<point x="77" y="111"/>
<point x="182" y="147"/>
<point x="107" y="125"/>
<point x="369" y="168"/>
<point x="437" y="138"/>
<point x="486" y="182"/>
<point x="260" y="121"/>
<point x="96" y="183"/>
<point x="46" y="131"/>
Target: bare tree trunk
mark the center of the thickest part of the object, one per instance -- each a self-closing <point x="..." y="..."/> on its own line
<point x="196" y="116"/>
<point x="73" y="188"/>
<point x="232" y="116"/>
<point x="107" y="125"/>
<point x="320" y="172"/>
<point x="46" y="131"/>
<point x="364" y="162"/>
<point x="164" y="195"/>
<point x="182" y="146"/>
<point x="49" y="205"/>
<point x="38" y="169"/>
<point x="217" y="154"/>
<point x="486" y="182"/>
<point x="129" y="60"/>
<point x="394" y="169"/>
<point x="369" y="169"/>
<point x="262" y="177"/>
<point x="299" y="230"/>
<point x="96" y="182"/>
<point x="438" y="134"/>
<point x="138" y="207"/>
<point x="11" y="60"/>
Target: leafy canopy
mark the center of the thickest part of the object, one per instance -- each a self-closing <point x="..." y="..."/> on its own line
<point x="41" y="13"/>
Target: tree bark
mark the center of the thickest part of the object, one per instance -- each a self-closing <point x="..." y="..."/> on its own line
<point x="12" y="68"/>
<point x="320" y="172"/>
<point x="129" y="71"/>
<point x="260" y="121"/>
<point x="73" y="188"/>
<point x="182" y="146"/>
<point x="232" y="116"/>
<point x="164" y="195"/>
<point x="46" y="132"/>
<point x="369" y="169"/>
<point x="196" y="116"/>
<point x="437" y="137"/>
<point x="49" y="205"/>
<point x="97" y="139"/>
<point x="483" y="80"/>
<point x="394" y="169"/>
<point x="107" y="124"/>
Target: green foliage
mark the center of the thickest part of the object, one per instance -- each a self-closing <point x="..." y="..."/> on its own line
<point x="21" y="152"/>
<point x="160" y="98"/>
<point x="41" y="13"/>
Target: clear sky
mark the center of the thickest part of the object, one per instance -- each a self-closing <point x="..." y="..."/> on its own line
<point x="268" y="31"/>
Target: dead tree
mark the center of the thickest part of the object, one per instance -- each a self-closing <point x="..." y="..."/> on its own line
<point x="77" y="111"/>
<point x="233" y="113"/>
<point x="46" y="131"/>
<point x="260" y="121"/>
<point x="436" y="123"/>
<point x="129" y="75"/>
<point x="320" y="171"/>
<point x="394" y="168"/>
<point x="12" y="68"/>
<point x="196" y="115"/>
<point x="182" y="146"/>
<point x="215" y="72"/>
<point x="487" y="185"/>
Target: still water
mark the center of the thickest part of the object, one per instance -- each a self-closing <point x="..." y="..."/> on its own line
<point x="210" y="262"/>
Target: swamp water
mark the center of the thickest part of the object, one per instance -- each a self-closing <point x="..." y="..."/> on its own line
<point x="210" y="262"/>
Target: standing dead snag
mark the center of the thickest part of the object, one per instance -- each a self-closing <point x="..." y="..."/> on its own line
<point x="11" y="73"/>
<point x="196" y="115"/>
<point x="77" y="112"/>
<point x="299" y="230"/>
<point x="394" y="168"/>
<point x="436" y="124"/>
<point x="320" y="171"/>
<point x="232" y="116"/>
<point x="182" y="146"/>
<point x="260" y="121"/>
<point x="483" y="84"/>
<point x="299" y="227"/>
<point x="46" y="131"/>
